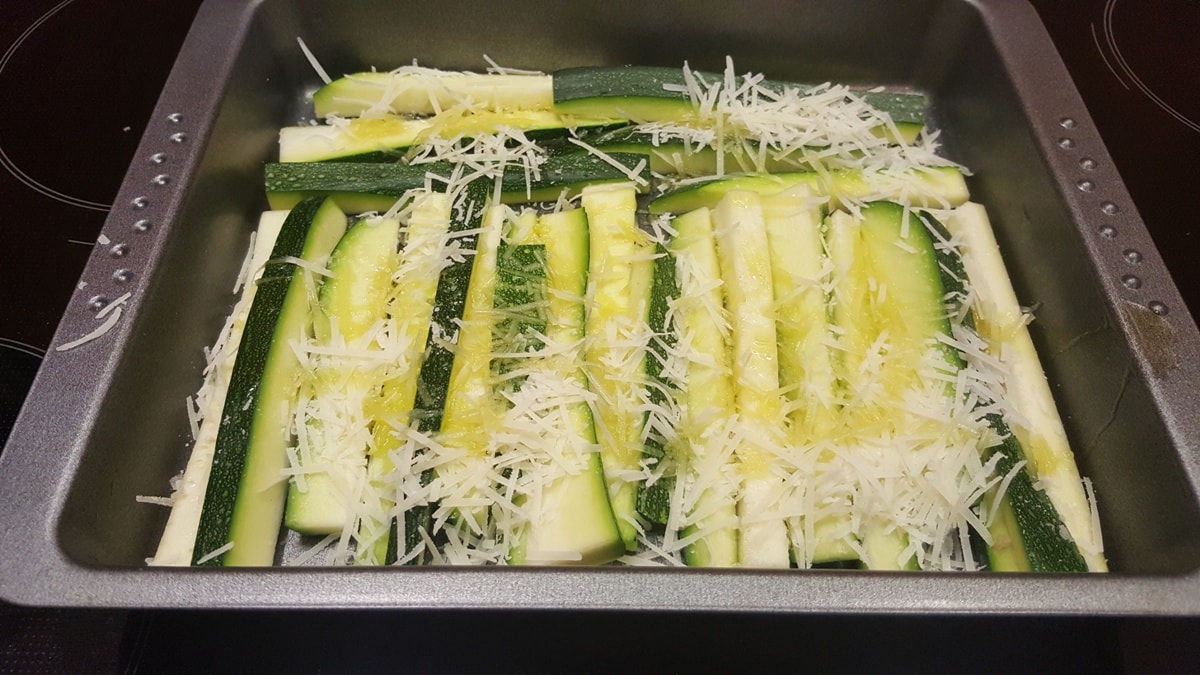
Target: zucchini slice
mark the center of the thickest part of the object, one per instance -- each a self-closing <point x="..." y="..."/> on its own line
<point x="1027" y="532"/>
<point x="1051" y="464"/>
<point x="744" y="253"/>
<point x="657" y="94"/>
<point x="359" y="139"/>
<point x="706" y="473"/>
<point x="637" y="93"/>
<point x="654" y="499"/>
<point x="908" y="305"/>
<point x="410" y="309"/>
<point x="422" y="91"/>
<point x="685" y="152"/>
<point x="179" y="536"/>
<point x="520" y="319"/>
<point x="799" y="276"/>
<point x="439" y="363"/>
<point x="798" y="271"/>
<point x="392" y="138"/>
<point x="243" y="505"/>
<point x="362" y="187"/>
<point x="939" y="187"/>
<point x="571" y="519"/>
<point x="621" y="271"/>
<point x="469" y="413"/>
<point x="351" y="301"/>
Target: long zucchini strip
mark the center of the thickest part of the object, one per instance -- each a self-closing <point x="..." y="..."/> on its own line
<point x="243" y="504"/>
<point x="569" y="518"/>
<point x="345" y="363"/>
<point x="410" y="310"/>
<point x="1001" y="322"/>
<point x="359" y="187"/>
<point x="654" y="494"/>
<point x="743" y="249"/>
<point x="620" y="273"/>
<point x="927" y="187"/>
<point x="470" y="413"/>
<point x="423" y="91"/>
<point x="433" y="381"/>
<point x="707" y="482"/>
<point x="799" y="269"/>
<point x="393" y="138"/>
<point x="179" y="536"/>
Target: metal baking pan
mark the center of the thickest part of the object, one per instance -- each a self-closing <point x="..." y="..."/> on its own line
<point x="106" y="421"/>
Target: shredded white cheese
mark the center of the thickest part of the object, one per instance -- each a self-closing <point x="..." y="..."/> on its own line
<point x="99" y="332"/>
<point x="312" y="60"/>
<point x="215" y="553"/>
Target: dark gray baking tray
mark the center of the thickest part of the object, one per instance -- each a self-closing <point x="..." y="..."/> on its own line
<point x="106" y="421"/>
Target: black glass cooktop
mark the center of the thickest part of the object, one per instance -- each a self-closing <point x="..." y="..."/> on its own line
<point x="79" y="80"/>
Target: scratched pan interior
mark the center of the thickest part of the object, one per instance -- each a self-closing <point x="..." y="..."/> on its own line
<point x="106" y="421"/>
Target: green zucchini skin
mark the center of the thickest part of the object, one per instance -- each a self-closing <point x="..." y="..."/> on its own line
<point x="360" y="187"/>
<point x="356" y="187"/>
<point x="639" y="93"/>
<point x="1038" y="524"/>
<point x="433" y="381"/>
<point x="589" y="82"/>
<point x="449" y="302"/>
<point x="633" y="92"/>
<point x="243" y="501"/>
<point x="520" y="305"/>
<point x="654" y="501"/>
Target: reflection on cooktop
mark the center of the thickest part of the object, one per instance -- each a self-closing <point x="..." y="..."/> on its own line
<point x="1137" y="66"/>
<point x="1141" y="46"/>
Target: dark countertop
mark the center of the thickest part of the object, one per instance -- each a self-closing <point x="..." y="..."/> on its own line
<point x="82" y="78"/>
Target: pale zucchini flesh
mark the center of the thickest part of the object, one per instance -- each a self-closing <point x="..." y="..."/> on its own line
<point x="410" y="307"/>
<point x="470" y="413"/>
<point x="351" y="302"/>
<point x="425" y="92"/>
<point x="744" y="253"/>
<point x="707" y="472"/>
<point x="619" y="275"/>
<point x="799" y="270"/>
<point x="394" y="138"/>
